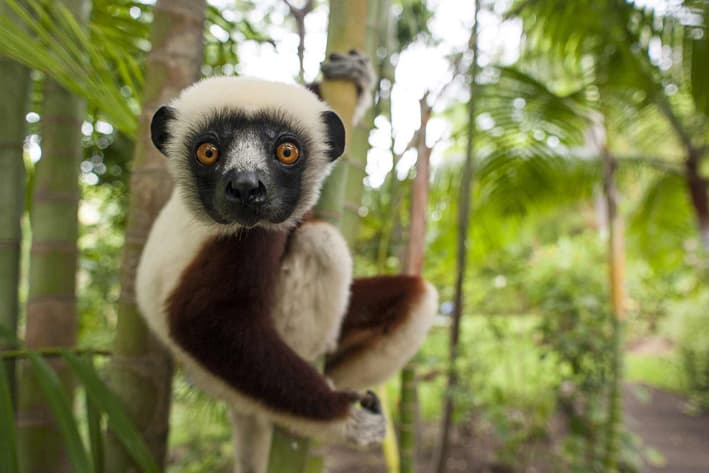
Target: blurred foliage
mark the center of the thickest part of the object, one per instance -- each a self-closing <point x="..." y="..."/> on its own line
<point x="577" y="328"/>
<point x="105" y="65"/>
<point x="412" y="19"/>
<point x="694" y="349"/>
<point x="102" y="410"/>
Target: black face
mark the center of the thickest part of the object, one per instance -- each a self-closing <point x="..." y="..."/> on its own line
<point x="244" y="169"/>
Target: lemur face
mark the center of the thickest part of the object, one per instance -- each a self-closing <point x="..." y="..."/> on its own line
<point x="241" y="165"/>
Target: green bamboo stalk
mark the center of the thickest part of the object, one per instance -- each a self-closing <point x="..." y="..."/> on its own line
<point x="51" y="304"/>
<point x="408" y="409"/>
<point x="346" y="30"/>
<point x="378" y="22"/>
<point x="616" y="275"/>
<point x="13" y="104"/>
<point x="140" y="372"/>
<point x="347" y="27"/>
<point x="413" y="264"/>
<point x="614" y="417"/>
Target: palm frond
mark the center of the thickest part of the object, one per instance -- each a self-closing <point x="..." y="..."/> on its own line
<point x="48" y="38"/>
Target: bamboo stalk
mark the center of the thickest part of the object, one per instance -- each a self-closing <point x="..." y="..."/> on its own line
<point x="51" y="304"/>
<point x="140" y="372"/>
<point x="13" y="104"/>
<point x="346" y="30"/>
<point x="616" y="277"/>
<point x="413" y="264"/>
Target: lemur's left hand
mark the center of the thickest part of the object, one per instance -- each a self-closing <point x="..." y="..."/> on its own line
<point x="354" y="66"/>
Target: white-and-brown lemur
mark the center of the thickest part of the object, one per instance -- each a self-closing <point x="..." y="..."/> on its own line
<point x="246" y="289"/>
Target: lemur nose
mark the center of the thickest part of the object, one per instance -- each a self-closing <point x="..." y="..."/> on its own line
<point x="246" y="188"/>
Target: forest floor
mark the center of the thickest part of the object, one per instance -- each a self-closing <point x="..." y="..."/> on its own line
<point x="660" y="418"/>
<point x="672" y="442"/>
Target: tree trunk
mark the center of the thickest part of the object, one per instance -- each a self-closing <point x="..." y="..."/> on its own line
<point x="462" y="248"/>
<point x="51" y="303"/>
<point x="140" y="372"/>
<point x="346" y="30"/>
<point x="696" y="183"/>
<point x="697" y="187"/>
<point x="413" y="264"/>
<point x="13" y="104"/>
<point x="299" y="15"/>
<point x="616" y="276"/>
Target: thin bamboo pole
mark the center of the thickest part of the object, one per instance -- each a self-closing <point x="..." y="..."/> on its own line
<point x="616" y="277"/>
<point x="413" y="264"/>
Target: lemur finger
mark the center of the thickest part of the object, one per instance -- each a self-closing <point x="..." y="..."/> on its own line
<point x="371" y="402"/>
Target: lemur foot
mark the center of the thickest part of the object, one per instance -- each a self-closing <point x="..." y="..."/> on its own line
<point x="367" y="424"/>
<point x="353" y="66"/>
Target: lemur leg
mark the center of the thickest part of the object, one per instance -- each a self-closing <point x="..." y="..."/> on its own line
<point x="386" y="322"/>
<point x="313" y="289"/>
<point x="252" y="442"/>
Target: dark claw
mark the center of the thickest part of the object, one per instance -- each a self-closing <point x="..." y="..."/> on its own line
<point x="371" y="402"/>
<point x="335" y="56"/>
<point x="353" y="52"/>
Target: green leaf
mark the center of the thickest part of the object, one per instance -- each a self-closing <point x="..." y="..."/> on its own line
<point x="62" y="411"/>
<point x="8" y="438"/>
<point x="93" y="419"/>
<point x="118" y="420"/>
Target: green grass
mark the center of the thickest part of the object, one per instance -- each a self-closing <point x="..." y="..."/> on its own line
<point x="660" y="371"/>
<point x="500" y="363"/>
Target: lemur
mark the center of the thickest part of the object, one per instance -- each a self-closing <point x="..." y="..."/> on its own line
<point x="246" y="290"/>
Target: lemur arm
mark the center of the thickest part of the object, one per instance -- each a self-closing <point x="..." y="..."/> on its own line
<point x="219" y="314"/>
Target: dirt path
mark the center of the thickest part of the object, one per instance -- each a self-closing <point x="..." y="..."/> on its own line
<point x="659" y="418"/>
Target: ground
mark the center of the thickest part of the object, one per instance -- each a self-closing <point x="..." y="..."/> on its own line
<point x="660" y="419"/>
<point x="672" y="441"/>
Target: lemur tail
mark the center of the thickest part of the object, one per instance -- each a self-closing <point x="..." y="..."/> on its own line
<point x="386" y="322"/>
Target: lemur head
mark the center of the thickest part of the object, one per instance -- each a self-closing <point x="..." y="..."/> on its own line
<point x="247" y="152"/>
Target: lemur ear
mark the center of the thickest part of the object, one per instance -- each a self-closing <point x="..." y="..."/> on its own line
<point x="335" y="134"/>
<point x="159" y="127"/>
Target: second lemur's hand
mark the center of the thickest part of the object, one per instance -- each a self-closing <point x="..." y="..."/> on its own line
<point x="357" y="68"/>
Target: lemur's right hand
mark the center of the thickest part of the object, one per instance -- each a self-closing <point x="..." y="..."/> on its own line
<point x="367" y="424"/>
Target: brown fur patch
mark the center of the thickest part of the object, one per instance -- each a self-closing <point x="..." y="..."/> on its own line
<point x="220" y="313"/>
<point x="378" y="306"/>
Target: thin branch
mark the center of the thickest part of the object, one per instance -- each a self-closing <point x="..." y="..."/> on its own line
<point x="53" y="352"/>
<point x="299" y="15"/>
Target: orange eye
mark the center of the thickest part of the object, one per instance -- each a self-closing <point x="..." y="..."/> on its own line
<point x="207" y="153"/>
<point x="287" y="153"/>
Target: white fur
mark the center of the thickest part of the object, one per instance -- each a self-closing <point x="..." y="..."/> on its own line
<point x="174" y="241"/>
<point x="249" y="155"/>
<point x="296" y="104"/>
<point x="313" y="290"/>
<point x="375" y="365"/>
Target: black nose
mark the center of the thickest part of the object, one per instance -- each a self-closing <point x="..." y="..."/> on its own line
<point x="245" y="188"/>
